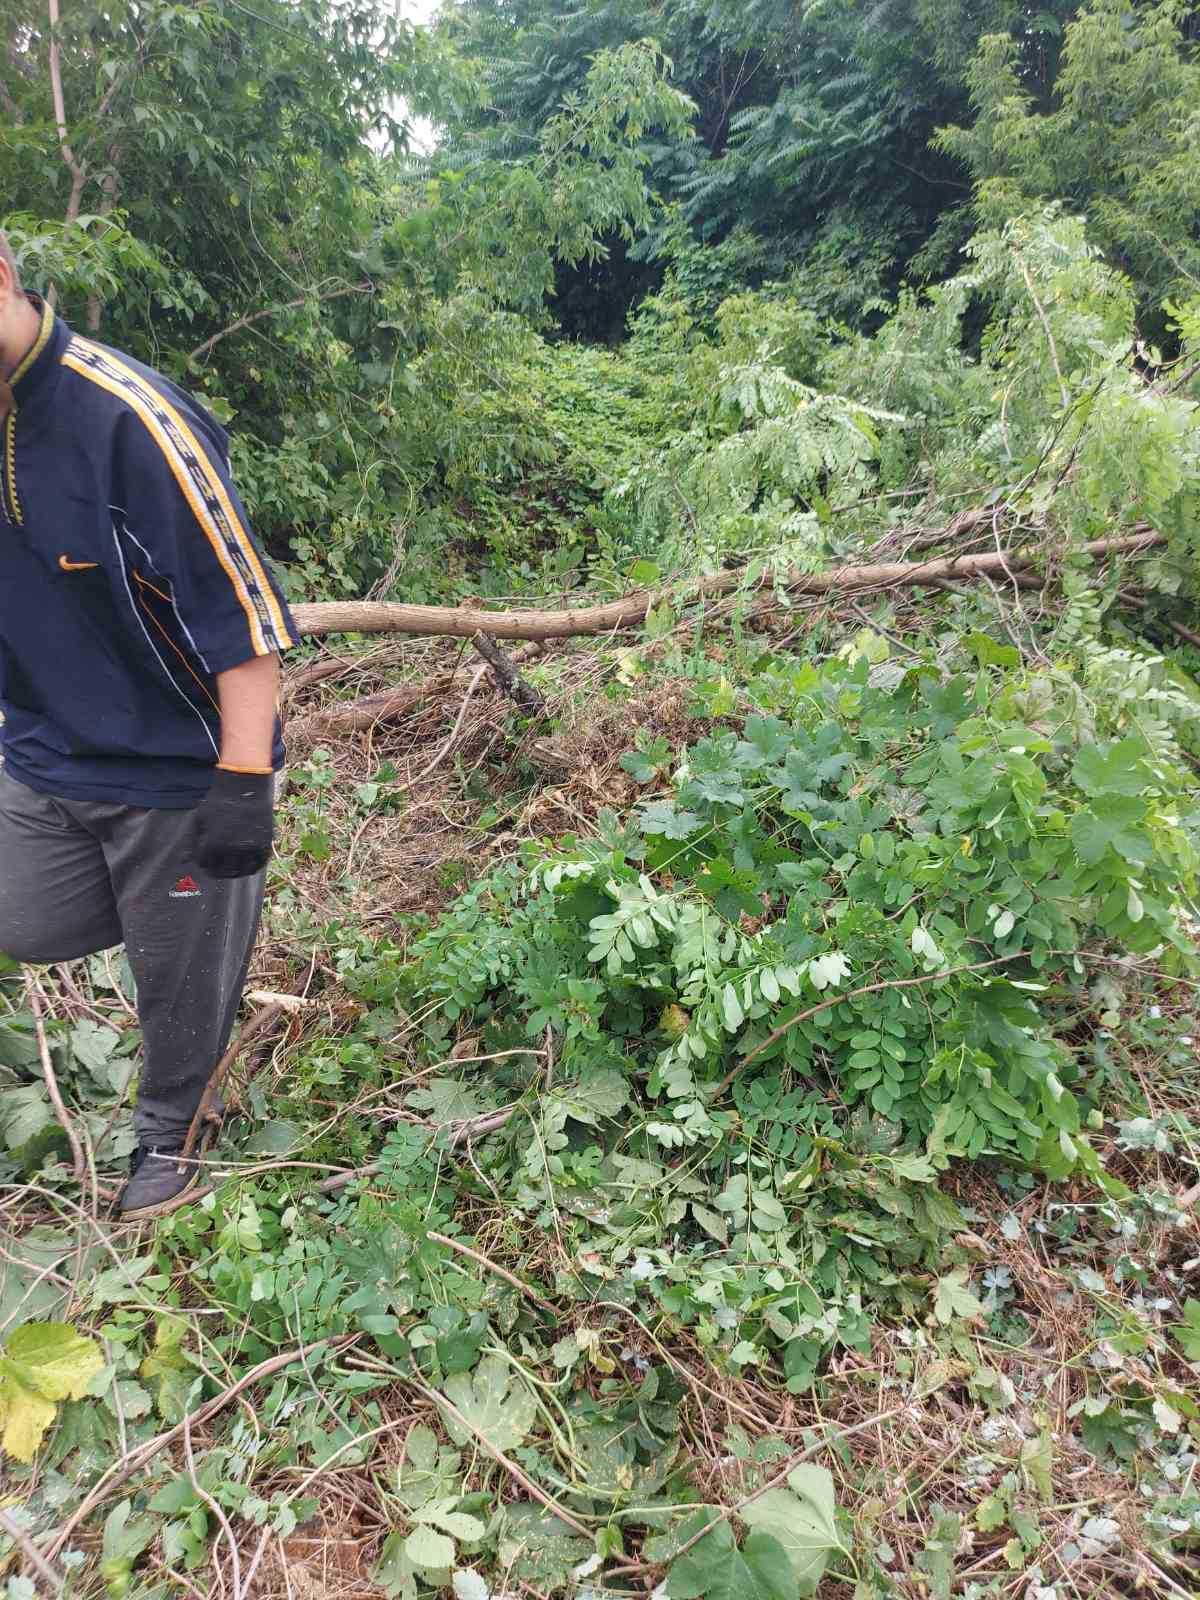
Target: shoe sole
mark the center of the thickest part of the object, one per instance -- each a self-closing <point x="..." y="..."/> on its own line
<point x="164" y="1206"/>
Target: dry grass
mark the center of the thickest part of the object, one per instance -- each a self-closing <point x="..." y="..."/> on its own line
<point x="947" y="1450"/>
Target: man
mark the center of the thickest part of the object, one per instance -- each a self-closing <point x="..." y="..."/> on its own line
<point x="140" y="632"/>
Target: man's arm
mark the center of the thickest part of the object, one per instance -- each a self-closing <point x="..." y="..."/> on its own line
<point x="248" y="696"/>
<point x="235" y="822"/>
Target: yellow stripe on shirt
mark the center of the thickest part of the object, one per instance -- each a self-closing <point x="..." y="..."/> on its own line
<point x="200" y="484"/>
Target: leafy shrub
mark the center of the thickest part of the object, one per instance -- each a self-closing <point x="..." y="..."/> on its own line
<point x="860" y="913"/>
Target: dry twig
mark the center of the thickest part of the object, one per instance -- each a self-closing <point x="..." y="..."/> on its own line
<point x="78" y="1164"/>
<point x="30" y="1551"/>
<point x="121" y="1471"/>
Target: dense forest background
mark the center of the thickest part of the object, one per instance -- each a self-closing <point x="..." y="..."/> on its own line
<point x="409" y="345"/>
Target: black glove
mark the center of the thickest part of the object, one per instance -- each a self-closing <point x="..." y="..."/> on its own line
<point x="235" y="824"/>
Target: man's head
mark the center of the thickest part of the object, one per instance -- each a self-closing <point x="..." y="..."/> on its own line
<point x="18" y="319"/>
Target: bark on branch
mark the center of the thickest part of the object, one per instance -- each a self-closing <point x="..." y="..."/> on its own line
<point x="368" y="616"/>
<point x="507" y="676"/>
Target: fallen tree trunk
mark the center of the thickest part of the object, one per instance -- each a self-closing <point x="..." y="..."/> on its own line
<point x="387" y="616"/>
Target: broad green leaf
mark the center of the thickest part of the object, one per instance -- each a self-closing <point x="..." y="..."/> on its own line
<point x="953" y="1297"/>
<point x="601" y="1094"/>
<point x="41" y="1364"/>
<point x="770" y="1567"/>
<point x="167" y="1369"/>
<point x="715" y="1569"/>
<point x="712" y="1568"/>
<point x="803" y="1519"/>
<point x="494" y="1402"/>
<point x="1037" y="1462"/>
<point x="430" y="1550"/>
<point x="1187" y="1332"/>
<point x="989" y="653"/>
<point x="124" y="1541"/>
<point x="448" y="1100"/>
<point x="1115" y="770"/>
<point x="470" y="1585"/>
<point x="1111" y="822"/>
<point x="662" y="817"/>
<point x="92" y="1044"/>
<point x="394" y="1572"/>
<point x="275" y="1137"/>
<point x="731" y="1008"/>
<point x="712" y="1222"/>
<point x="18" y="1041"/>
<point x="536" y="1546"/>
<point x="27" y="1293"/>
<point x="119" y="1283"/>
<point x="25" y="1112"/>
<point x="459" y="1523"/>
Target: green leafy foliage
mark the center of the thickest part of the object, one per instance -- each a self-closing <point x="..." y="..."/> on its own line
<point x="493" y="1404"/>
<point x="918" y="865"/>
<point x="875" y="937"/>
<point x="718" y="1570"/>
<point x="1188" y="1331"/>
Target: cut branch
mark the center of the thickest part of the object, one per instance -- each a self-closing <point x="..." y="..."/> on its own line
<point x="367" y="616"/>
<point x="78" y="1164"/>
<point x="206" y="1111"/>
<point x="356" y="716"/>
<point x="507" y="676"/>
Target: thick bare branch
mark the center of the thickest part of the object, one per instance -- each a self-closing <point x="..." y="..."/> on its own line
<point x="365" y="616"/>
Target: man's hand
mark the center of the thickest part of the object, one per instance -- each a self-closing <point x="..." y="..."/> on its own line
<point x="235" y="824"/>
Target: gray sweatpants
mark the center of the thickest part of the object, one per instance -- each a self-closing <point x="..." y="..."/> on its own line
<point x="77" y="876"/>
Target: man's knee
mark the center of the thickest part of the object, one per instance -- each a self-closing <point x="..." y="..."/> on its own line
<point x="26" y="947"/>
<point x="23" y="939"/>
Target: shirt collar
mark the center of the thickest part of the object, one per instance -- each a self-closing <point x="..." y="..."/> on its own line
<point x="40" y="361"/>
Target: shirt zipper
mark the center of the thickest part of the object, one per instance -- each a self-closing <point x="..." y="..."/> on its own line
<point x="9" y="498"/>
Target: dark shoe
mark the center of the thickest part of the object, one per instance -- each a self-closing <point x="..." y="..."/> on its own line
<point x="158" y="1176"/>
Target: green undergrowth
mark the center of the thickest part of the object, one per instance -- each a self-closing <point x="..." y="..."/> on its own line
<point x="858" y="932"/>
<point x="796" y="1082"/>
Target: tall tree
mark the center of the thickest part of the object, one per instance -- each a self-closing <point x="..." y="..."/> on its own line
<point x="814" y="122"/>
<point x="1120" y="141"/>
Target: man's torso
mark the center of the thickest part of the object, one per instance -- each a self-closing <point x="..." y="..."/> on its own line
<point x="104" y="692"/>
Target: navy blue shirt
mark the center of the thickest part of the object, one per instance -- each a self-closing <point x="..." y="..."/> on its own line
<point x="128" y="579"/>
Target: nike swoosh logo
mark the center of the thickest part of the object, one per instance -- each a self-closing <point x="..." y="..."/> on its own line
<point x="76" y="566"/>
